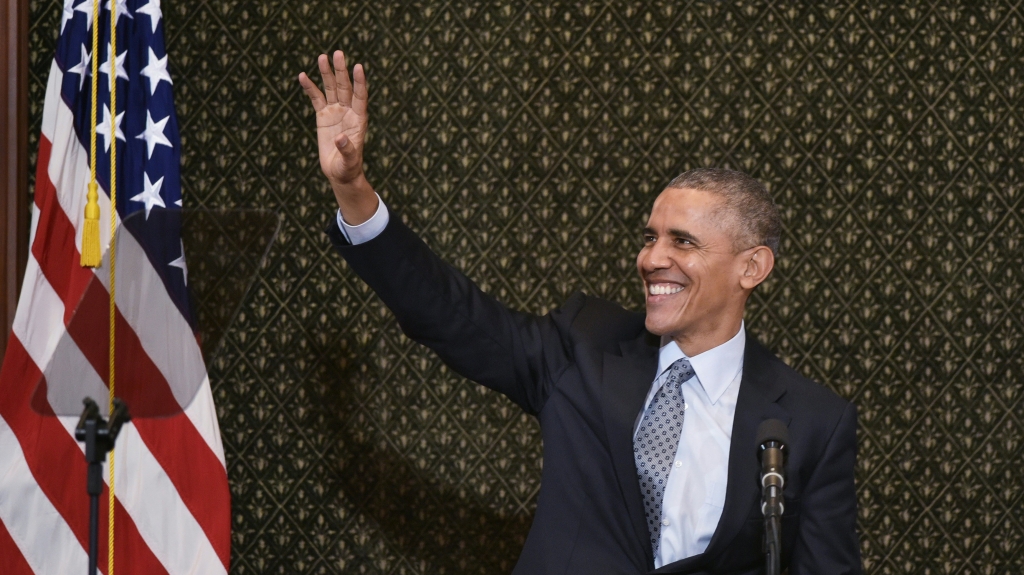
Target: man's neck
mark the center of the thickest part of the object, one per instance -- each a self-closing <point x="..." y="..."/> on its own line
<point x="698" y="343"/>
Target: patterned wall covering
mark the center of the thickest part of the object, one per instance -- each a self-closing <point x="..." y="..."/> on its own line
<point x="525" y="141"/>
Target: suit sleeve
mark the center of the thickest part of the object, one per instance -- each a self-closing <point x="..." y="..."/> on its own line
<point x="518" y="354"/>
<point x="827" y="536"/>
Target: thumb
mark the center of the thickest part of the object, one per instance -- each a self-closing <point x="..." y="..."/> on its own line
<point x="342" y="142"/>
<point x="347" y="149"/>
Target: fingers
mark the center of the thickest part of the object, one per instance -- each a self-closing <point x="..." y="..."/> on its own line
<point x="314" y="93"/>
<point x="344" y="84"/>
<point x="359" y="92"/>
<point x="330" y="83"/>
<point x="338" y="88"/>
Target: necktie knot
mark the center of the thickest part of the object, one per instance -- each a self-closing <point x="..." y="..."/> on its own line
<point x="678" y="372"/>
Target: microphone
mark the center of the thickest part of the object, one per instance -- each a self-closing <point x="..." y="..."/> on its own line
<point x="772" y="437"/>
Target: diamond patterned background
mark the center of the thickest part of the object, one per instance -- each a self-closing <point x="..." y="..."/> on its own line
<point x="525" y="141"/>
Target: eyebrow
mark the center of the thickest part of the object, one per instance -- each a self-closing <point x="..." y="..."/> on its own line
<point x="675" y="233"/>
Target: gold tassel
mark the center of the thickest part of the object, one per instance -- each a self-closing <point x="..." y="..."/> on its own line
<point x="91" y="256"/>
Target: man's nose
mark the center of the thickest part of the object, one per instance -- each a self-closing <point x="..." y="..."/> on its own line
<point x="655" y="256"/>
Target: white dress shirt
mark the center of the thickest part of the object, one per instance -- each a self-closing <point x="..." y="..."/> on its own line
<point x="695" y="493"/>
<point x="367" y="230"/>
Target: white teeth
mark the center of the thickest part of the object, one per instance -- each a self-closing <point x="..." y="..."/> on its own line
<point x="663" y="289"/>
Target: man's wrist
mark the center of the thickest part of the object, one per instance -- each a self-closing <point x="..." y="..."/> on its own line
<point x="356" y="199"/>
<point x="367" y="230"/>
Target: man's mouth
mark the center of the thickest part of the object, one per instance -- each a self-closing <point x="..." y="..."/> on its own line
<point x="664" y="289"/>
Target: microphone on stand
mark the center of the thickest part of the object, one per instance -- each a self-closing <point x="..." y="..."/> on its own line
<point x="772" y="437"/>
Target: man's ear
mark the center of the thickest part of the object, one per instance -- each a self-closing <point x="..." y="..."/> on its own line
<point x="759" y="261"/>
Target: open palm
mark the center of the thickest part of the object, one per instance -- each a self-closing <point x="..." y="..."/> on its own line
<point x="340" y="118"/>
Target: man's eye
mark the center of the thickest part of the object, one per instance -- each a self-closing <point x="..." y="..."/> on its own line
<point x="649" y="239"/>
<point x="683" y="242"/>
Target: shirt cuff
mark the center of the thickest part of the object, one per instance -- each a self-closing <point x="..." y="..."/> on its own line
<point x="367" y="230"/>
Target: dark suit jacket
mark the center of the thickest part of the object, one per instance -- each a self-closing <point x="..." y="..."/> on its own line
<point x="584" y="370"/>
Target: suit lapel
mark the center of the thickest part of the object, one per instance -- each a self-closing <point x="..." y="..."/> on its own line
<point x="759" y="391"/>
<point x="626" y="380"/>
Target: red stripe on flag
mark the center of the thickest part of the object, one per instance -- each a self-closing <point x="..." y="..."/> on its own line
<point x="196" y="473"/>
<point x="43" y="161"/>
<point x="138" y="381"/>
<point x="64" y="273"/>
<point x="193" y="468"/>
<point x="12" y="562"/>
<point x="59" y="467"/>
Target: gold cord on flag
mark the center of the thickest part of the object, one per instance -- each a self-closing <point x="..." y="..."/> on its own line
<point x="113" y="265"/>
<point x="91" y="229"/>
<point x="91" y="254"/>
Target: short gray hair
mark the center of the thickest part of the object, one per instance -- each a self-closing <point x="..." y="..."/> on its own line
<point x="757" y="216"/>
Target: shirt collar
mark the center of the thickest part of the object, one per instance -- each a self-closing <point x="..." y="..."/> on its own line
<point x="716" y="368"/>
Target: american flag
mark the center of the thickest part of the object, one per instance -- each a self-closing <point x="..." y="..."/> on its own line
<point x="172" y="511"/>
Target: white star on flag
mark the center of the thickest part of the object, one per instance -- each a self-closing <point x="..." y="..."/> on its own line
<point x="105" y="67"/>
<point x="82" y="68"/>
<point x="152" y="9"/>
<point x="154" y="134"/>
<point x="103" y="128"/>
<point x="180" y="263"/>
<point x="86" y="8"/>
<point x="156" y="70"/>
<point x="151" y="195"/>
<point x="66" y="14"/>
<point x="122" y="10"/>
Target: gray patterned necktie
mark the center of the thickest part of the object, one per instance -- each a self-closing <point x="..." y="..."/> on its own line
<point x="654" y="448"/>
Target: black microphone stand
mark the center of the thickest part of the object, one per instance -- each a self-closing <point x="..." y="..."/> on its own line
<point x="772" y="507"/>
<point x="772" y="437"/>
<point x="98" y="436"/>
<point x="772" y="544"/>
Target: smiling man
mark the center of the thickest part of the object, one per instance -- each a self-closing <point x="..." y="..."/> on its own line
<point x="648" y="420"/>
<point x="710" y="240"/>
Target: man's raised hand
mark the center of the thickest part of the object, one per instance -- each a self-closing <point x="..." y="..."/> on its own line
<point x="341" y="131"/>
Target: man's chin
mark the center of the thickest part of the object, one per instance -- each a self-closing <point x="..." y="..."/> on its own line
<point x="663" y="326"/>
<point x="655" y="327"/>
